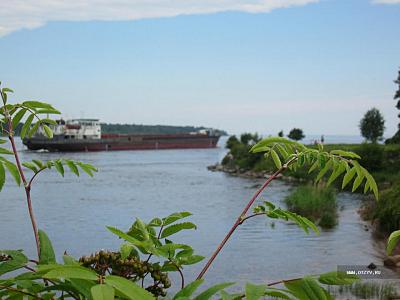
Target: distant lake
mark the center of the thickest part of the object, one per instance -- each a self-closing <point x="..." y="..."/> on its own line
<point x="74" y="213"/>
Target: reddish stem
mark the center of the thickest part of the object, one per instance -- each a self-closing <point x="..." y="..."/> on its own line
<point x="242" y="217"/>
<point x="22" y="175"/>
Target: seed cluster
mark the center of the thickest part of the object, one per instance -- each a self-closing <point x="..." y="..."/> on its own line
<point x="107" y="262"/>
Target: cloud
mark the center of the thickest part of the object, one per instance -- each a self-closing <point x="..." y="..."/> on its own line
<point x="30" y="14"/>
<point x="386" y="1"/>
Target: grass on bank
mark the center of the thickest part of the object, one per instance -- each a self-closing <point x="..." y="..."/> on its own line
<point x="368" y="290"/>
<point x="315" y="203"/>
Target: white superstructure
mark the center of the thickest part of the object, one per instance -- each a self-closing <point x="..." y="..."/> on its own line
<point x="75" y="129"/>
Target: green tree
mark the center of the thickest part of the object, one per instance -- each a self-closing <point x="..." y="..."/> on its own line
<point x="372" y="125"/>
<point x="296" y="134"/>
<point x="232" y="142"/>
<point x="280" y="133"/>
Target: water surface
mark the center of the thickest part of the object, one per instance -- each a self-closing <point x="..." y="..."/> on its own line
<point x="74" y="212"/>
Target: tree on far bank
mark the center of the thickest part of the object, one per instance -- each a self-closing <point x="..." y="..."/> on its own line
<point x="248" y="138"/>
<point x="296" y="134"/>
<point x="280" y="133"/>
<point x="372" y="125"/>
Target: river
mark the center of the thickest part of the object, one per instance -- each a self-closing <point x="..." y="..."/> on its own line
<point x="74" y="212"/>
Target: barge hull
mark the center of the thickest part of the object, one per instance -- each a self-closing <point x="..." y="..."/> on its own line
<point x="129" y="142"/>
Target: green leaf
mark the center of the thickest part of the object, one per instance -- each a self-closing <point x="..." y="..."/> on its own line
<point x="17" y="118"/>
<point x="142" y="228"/>
<point x="276" y="159"/>
<point x="349" y="176"/>
<point x="306" y="289"/>
<point x="47" y="255"/>
<point x="184" y="253"/>
<point x="393" y="240"/>
<point x="254" y="292"/>
<point x="188" y="290"/>
<point x="327" y="167"/>
<point x="156" y="222"/>
<point x="38" y="163"/>
<point x="36" y="104"/>
<point x="69" y="260"/>
<point x="357" y="182"/>
<point x="48" y="131"/>
<point x="275" y="293"/>
<point x="2" y="176"/>
<point x="190" y="260"/>
<point x="208" y="293"/>
<point x="268" y="142"/>
<point x="102" y="292"/>
<point x="282" y="151"/>
<point x="310" y="224"/>
<point x="175" y="217"/>
<point x="59" y="167"/>
<point x="7" y="90"/>
<point x="6" y="151"/>
<point x="342" y="153"/>
<point x="18" y="260"/>
<point x="30" y="166"/>
<point x="82" y="286"/>
<point x="88" y="169"/>
<point x="127" y="237"/>
<point x="313" y="167"/>
<point x="336" y="173"/>
<point x="48" y="121"/>
<point x="337" y="278"/>
<point x="34" y="129"/>
<point x="71" y="272"/>
<point x="26" y="126"/>
<point x="126" y="250"/>
<point x="129" y="289"/>
<point x="48" y="111"/>
<point x="170" y="230"/>
<point x="72" y="167"/>
<point x="371" y="182"/>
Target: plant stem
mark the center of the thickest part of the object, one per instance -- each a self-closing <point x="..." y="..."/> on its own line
<point x="283" y="281"/>
<point x="242" y="216"/>
<point x="22" y="175"/>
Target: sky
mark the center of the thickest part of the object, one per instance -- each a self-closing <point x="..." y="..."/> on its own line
<point x="242" y="66"/>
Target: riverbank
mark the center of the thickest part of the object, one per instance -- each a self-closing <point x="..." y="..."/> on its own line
<point x="383" y="162"/>
<point x="240" y="172"/>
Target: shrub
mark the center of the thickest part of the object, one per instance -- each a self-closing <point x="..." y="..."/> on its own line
<point x="388" y="209"/>
<point x="316" y="203"/>
<point x="372" y="156"/>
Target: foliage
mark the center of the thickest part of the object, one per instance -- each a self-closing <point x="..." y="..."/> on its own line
<point x="280" y="133"/>
<point x="396" y="138"/>
<point x="296" y="134"/>
<point x="148" y="254"/>
<point x="387" y="210"/>
<point x="293" y="155"/>
<point x="372" y="156"/>
<point x="372" y="125"/>
<point x="316" y="203"/>
<point x="240" y="149"/>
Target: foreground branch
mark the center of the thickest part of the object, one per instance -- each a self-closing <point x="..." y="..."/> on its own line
<point x="242" y="216"/>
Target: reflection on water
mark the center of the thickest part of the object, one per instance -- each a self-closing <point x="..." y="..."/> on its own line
<point x="74" y="212"/>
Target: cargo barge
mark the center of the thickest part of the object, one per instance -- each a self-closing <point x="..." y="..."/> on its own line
<point x="85" y="135"/>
